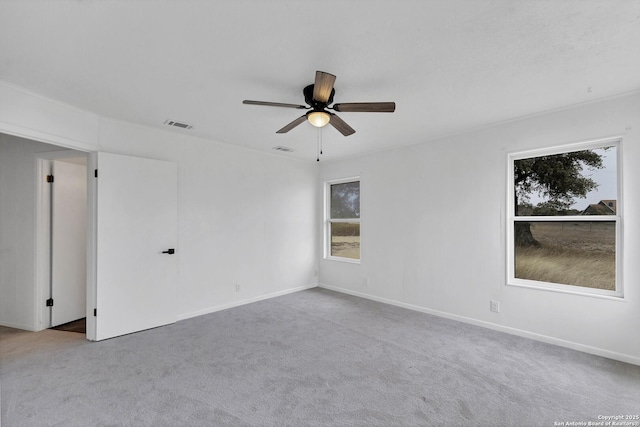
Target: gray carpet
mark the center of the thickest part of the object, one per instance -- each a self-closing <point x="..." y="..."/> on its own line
<point x="313" y="358"/>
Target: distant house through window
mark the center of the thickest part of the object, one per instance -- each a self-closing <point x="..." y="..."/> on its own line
<point x="604" y="207"/>
<point x="342" y="219"/>
<point x="564" y="219"/>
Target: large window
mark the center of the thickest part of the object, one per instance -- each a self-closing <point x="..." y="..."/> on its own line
<point x="564" y="219"/>
<point x="342" y="219"/>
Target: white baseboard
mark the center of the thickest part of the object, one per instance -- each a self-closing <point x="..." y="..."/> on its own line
<point x="22" y="326"/>
<point x="243" y="302"/>
<point x="500" y="328"/>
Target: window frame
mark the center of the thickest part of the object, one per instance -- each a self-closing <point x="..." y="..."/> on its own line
<point x="328" y="220"/>
<point x="618" y="293"/>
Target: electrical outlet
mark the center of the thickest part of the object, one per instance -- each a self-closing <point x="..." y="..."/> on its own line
<point x="365" y="282"/>
<point x="494" y="306"/>
<point x="315" y="273"/>
<point x="237" y="287"/>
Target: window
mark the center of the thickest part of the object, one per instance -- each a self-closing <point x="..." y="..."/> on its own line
<point x="564" y="219"/>
<point x="342" y="220"/>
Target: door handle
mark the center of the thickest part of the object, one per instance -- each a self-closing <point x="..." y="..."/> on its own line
<point x="169" y="251"/>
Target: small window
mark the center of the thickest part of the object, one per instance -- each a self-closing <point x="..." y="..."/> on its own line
<point x="564" y="219"/>
<point x="342" y="220"/>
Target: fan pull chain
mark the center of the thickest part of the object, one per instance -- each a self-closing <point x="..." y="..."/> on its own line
<point x="319" y="144"/>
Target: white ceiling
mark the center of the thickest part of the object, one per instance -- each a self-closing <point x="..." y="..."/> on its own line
<point x="449" y="65"/>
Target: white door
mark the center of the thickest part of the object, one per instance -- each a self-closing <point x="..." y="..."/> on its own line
<point x="137" y="221"/>
<point x="68" y="242"/>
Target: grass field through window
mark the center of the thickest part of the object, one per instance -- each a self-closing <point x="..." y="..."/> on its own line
<point x="571" y="253"/>
<point x="345" y="240"/>
<point x="345" y="246"/>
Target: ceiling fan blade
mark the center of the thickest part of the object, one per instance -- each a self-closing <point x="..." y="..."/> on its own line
<point x="293" y="124"/>
<point x="323" y="86"/>
<point x="274" y="104"/>
<point x="366" y="107"/>
<point x="341" y="125"/>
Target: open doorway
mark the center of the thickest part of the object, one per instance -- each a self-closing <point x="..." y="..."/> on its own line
<point x="25" y="229"/>
<point x="62" y="238"/>
<point x="132" y="273"/>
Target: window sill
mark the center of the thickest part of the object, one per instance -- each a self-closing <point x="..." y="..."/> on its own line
<point x="568" y="289"/>
<point x="340" y="259"/>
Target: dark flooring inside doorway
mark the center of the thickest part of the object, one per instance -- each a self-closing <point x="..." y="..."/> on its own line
<point x="79" y="326"/>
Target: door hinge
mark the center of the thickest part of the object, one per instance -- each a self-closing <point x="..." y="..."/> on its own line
<point x="50" y="302"/>
<point x="49" y="178"/>
<point x="95" y="173"/>
<point x="95" y="312"/>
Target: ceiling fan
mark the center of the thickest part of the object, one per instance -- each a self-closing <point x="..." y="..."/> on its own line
<point x="319" y="97"/>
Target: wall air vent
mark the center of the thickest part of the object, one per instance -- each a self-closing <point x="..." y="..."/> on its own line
<point x="281" y="148"/>
<point x="181" y="125"/>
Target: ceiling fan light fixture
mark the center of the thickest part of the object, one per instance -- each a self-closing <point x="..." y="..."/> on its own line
<point x="319" y="118"/>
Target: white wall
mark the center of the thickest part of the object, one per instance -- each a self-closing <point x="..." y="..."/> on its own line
<point x="244" y="217"/>
<point x="433" y="231"/>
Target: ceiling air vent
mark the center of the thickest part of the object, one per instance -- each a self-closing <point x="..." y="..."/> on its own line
<point x="281" y="148"/>
<point x="178" y="124"/>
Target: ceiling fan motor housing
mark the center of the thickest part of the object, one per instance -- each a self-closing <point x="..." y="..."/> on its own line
<point x="316" y="105"/>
